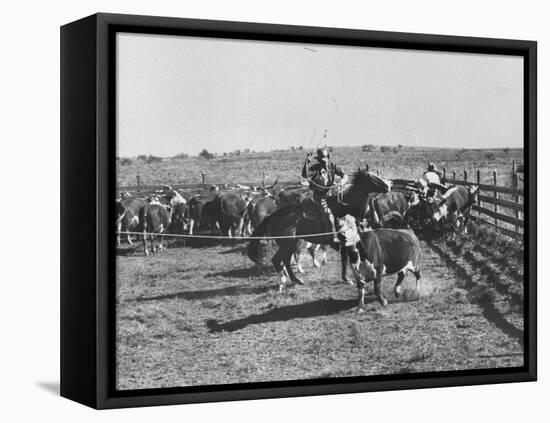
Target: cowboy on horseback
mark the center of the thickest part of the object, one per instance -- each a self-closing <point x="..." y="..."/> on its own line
<point x="433" y="179"/>
<point x="321" y="178"/>
<point x="433" y="174"/>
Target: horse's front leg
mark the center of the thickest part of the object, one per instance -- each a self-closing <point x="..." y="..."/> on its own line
<point x="324" y="260"/>
<point x="312" y="248"/>
<point x="286" y="257"/>
<point x="299" y="267"/>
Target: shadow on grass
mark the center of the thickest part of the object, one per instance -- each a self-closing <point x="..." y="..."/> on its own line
<point x="324" y="307"/>
<point x="245" y="273"/>
<point x="137" y="246"/>
<point x="211" y="293"/>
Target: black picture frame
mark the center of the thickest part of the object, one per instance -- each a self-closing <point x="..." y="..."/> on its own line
<point x="87" y="212"/>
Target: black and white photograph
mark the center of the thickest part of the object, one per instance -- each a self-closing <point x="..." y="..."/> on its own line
<point x="275" y="211"/>
<point x="290" y="211"/>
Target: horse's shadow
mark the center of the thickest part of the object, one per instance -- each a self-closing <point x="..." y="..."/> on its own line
<point x="236" y="250"/>
<point x="324" y="307"/>
<point x="246" y="273"/>
<point x="210" y="293"/>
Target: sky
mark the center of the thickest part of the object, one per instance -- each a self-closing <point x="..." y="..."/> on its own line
<point x="179" y="94"/>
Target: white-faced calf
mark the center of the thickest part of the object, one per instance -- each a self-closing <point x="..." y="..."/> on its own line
<point x="377" y="253"/>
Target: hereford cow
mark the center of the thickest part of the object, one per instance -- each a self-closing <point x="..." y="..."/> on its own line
<point x="155" y="219"/>
<point x="452" y="208"/>
<point x="127" y="215"/>
<point x="377" y="253"/>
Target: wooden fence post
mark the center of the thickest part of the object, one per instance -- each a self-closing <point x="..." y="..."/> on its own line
<point x="516" y="187"/>
<point x="465" y="177"/>
<point x="138" y="179"/>
<point x="203" y="177"/>
<point x="367" y="167"/>
<point x="495" y="194"/>
<point x="478" y="179"/>
<point x="377" y="172"/>
<point x="454" y="175"/>
<point x="263" y="178"/>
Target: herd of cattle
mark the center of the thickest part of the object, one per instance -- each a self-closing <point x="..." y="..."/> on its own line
<point x="382" y="242"/>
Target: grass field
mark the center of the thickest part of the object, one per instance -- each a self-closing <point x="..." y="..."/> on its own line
<point x="207" y="315"/>
<point x="408" y="162"/>
<point x="203" y="313"/>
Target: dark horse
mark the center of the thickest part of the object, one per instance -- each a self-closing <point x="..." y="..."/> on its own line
<point x="305" y="219"/>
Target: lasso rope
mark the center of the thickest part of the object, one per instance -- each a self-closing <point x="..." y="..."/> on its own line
<point x="311" y="181"/>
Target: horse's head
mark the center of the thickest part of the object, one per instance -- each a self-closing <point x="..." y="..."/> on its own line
<point x="366" y="182"/>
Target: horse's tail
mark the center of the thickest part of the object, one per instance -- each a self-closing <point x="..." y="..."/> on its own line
<point x="254" y="251"/>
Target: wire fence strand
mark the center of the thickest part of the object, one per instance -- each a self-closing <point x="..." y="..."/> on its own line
<point x="243" y="238"/>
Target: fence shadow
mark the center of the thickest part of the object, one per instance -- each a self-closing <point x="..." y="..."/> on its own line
<point x="485" y="300"/>
<point x="490" y="312"/>
<point x="324" y="307"/>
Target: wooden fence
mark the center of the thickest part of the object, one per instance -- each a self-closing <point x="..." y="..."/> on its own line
<point x="144" y="189"/>
<point x="504" y="214"/>
<point x="150" y="189"/>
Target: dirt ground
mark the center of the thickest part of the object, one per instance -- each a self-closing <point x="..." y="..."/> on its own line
<point x="205" y="314"/>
